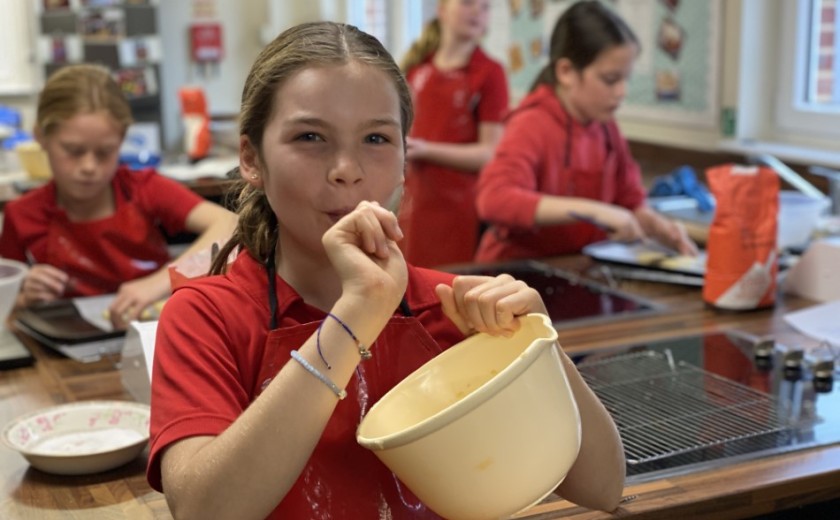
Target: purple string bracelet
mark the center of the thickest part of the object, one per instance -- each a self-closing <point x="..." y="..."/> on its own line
<point x="363" y="350"/>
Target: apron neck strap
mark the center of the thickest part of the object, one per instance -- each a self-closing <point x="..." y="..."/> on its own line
<point x="405" y="309"/>
<point x="272" y="294"/>
<point x="272" y="290"/>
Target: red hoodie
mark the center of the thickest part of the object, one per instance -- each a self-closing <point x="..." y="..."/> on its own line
<point x="544" y="151"/>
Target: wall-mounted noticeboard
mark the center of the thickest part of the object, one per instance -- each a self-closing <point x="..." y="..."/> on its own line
<point x="675" y="79"/>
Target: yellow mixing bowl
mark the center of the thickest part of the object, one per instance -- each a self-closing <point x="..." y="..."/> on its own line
<point x="486" y="429"/>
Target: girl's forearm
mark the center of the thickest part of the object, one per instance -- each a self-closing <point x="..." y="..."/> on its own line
<point x="596" y="479"/>
<point x="215" y="224"/>
<point x="248" y="469"/>
<point x="469" y="157"/>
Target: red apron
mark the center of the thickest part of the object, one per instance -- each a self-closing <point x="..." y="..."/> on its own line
<point x="438" y="214"/>
<point x="102" y="254"/>
<point x="342" y="479"/>
<point x="508" y="243"/>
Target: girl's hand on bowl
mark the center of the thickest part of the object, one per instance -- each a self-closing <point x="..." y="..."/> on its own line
<point x="487" y="304"/>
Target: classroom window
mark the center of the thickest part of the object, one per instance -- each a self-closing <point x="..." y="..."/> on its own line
<point x="373" y="17"/>
<point x="808" y="100"/>
<point x="395" y="24"/>
<point x="821" y="87"/>
<point x="376" y="19"/>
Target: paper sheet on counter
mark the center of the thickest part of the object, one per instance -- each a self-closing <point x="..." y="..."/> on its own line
<point x="136" y="361"/>
<point x="141" y="336"/>
<point x="93" y="310"/>
<point x="819" y="321"/>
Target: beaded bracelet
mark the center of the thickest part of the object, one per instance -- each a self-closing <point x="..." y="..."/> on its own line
<point x="339" y="392"/>
<point x="363" y="350"/>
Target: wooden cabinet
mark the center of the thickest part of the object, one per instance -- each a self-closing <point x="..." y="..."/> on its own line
<point x="17" y="61"/>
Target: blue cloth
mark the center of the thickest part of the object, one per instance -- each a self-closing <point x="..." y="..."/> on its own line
<point x="140" y="161"/>
<point x="9" y="117"/>
<point x="683" y="181"/>
<point x="17" y="137"/>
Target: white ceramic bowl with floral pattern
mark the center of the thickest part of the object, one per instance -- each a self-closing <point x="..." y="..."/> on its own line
<point x="80" y="438"/>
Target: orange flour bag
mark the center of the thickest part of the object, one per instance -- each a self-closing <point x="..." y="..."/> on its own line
<point x="741" y="264"/>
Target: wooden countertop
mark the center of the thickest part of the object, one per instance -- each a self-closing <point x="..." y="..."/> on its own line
<point x="739" y="490"/>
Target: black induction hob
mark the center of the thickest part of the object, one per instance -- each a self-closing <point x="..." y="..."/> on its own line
<point x="569" y="299"/>
<point x="705" y="401"/>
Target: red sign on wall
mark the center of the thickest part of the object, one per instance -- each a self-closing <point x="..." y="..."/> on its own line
<point x="206" y="42"/>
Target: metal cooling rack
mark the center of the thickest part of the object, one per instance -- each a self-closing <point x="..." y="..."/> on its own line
<point x="667" y="410"/>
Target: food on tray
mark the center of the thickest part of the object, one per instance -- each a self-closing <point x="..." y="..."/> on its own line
<point x="650" y="257"/>
<point x="665" y="260"/>
<point x="679" y="262"/>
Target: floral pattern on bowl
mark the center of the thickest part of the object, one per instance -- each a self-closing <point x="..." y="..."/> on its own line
<point x="80" y="438"/>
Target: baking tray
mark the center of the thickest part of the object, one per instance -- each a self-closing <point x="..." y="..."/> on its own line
<point x="61" y="322"/>
<point x="642" y="255"/>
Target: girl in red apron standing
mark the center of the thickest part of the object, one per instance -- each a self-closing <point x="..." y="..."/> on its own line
<point x="562" y="176"/>
<point x="460" y="97"/>
<point x="263" y="372"/>
<point x="94" y="228"/>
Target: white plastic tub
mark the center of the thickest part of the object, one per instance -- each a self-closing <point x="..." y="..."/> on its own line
<point x="799" y="215"/>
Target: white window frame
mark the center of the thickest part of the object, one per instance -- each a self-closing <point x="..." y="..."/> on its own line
<point x="405" y="21"/>
<point x="795" y="117"/>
